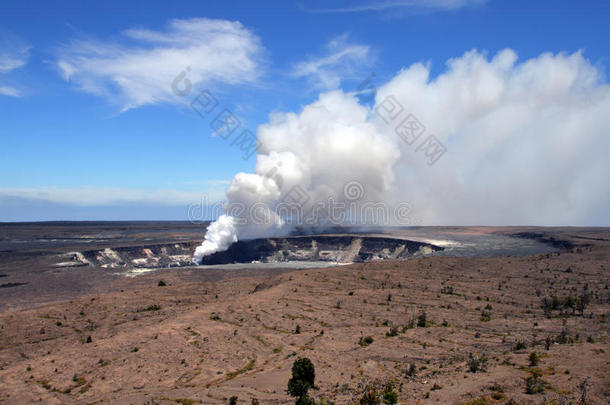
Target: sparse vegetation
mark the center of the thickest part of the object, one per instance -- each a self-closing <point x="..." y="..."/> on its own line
<point x="477" y="363"/>
<point x="365" y="341"/>
<point x="390" y="396"/>
<point x="421" y="340"/>
<point x="533" y="359"/>
<point x="421" y="320"/>
<point x="392" y="332"/>
<point x="567" y="303"/>
<point x="411" y="371"/>
<point x="370" y="396"/>
<point x="447" y="290"/>
<point x="185" y="401"/>
<point x="475" y="401"/>
<point x="520" y="345"/>
<point x="533" y="383"/>
<point x="376" y="394"/>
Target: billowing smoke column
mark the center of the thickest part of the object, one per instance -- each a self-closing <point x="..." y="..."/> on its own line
<point x="489" y="141"/>
<point x="219" y="236"/>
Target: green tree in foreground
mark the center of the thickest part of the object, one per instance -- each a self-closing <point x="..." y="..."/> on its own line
<point x="303" y="377"/>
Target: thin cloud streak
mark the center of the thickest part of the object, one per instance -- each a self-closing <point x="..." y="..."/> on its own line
<point x="341" y="60"/>
<point x="375" y="6"/>
<point x="14" y="54"/>
<point x="9" y="91"/>
<point x="88" y="196"/>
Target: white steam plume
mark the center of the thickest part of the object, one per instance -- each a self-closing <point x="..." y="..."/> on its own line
<point x="526" y="143"/>
<point x="219" y="236"/>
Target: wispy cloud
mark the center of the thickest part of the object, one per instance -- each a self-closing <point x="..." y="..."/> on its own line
<point x="9" y="91"/>
<point x="385" y="5"/>
<point x="140" y="67"/>
<point x="91" y="196"/>
<point x="13" y="55"/>
<point x="341" y="60"/>
<point x="11" y="59"/>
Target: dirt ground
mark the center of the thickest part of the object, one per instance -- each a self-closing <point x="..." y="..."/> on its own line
<point x="205" y="341"/>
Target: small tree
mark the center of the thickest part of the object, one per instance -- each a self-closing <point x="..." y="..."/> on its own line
<point x="233" y="400"/>
<point x="533" y="358"/>
<point x="303" y="377"/>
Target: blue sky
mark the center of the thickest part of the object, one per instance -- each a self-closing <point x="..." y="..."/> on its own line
<point x="88" y="131"/>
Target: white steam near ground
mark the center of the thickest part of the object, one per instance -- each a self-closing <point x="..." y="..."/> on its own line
<point x="526" y="143"/>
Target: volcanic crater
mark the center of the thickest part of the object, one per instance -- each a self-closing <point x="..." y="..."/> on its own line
<point x="319" y="248"/>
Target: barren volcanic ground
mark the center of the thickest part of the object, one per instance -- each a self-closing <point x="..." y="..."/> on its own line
<point x="443" y="326"/>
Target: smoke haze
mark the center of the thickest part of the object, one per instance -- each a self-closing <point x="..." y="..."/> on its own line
<point x="517" y="143"/>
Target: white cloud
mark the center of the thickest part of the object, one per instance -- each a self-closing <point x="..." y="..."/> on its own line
<point x="9" y="91"/>
<point x="13" y="55"/>
<point x="141" y="68"/>
<point x="342" y="60"/>
<point x="526" y="144"/>
<point x="526" y="141"/>
<point x="104" y="196"/>
<point x="386" y="5"/>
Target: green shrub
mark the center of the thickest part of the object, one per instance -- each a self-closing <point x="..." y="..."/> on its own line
<point x="365" y="341"/>
<point x="485" y="316"/>
<point x="370" y="397"/>
<point x="390" y="396"/>
<point x="421" y="320"/>
<point x="392" y="332"/>
<point x="477" y="363"/>
<point x="534" y="384"/>
<point x="533" y="359"/>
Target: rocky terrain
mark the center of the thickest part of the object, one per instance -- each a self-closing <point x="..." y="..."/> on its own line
<point x="441" y="329"/>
